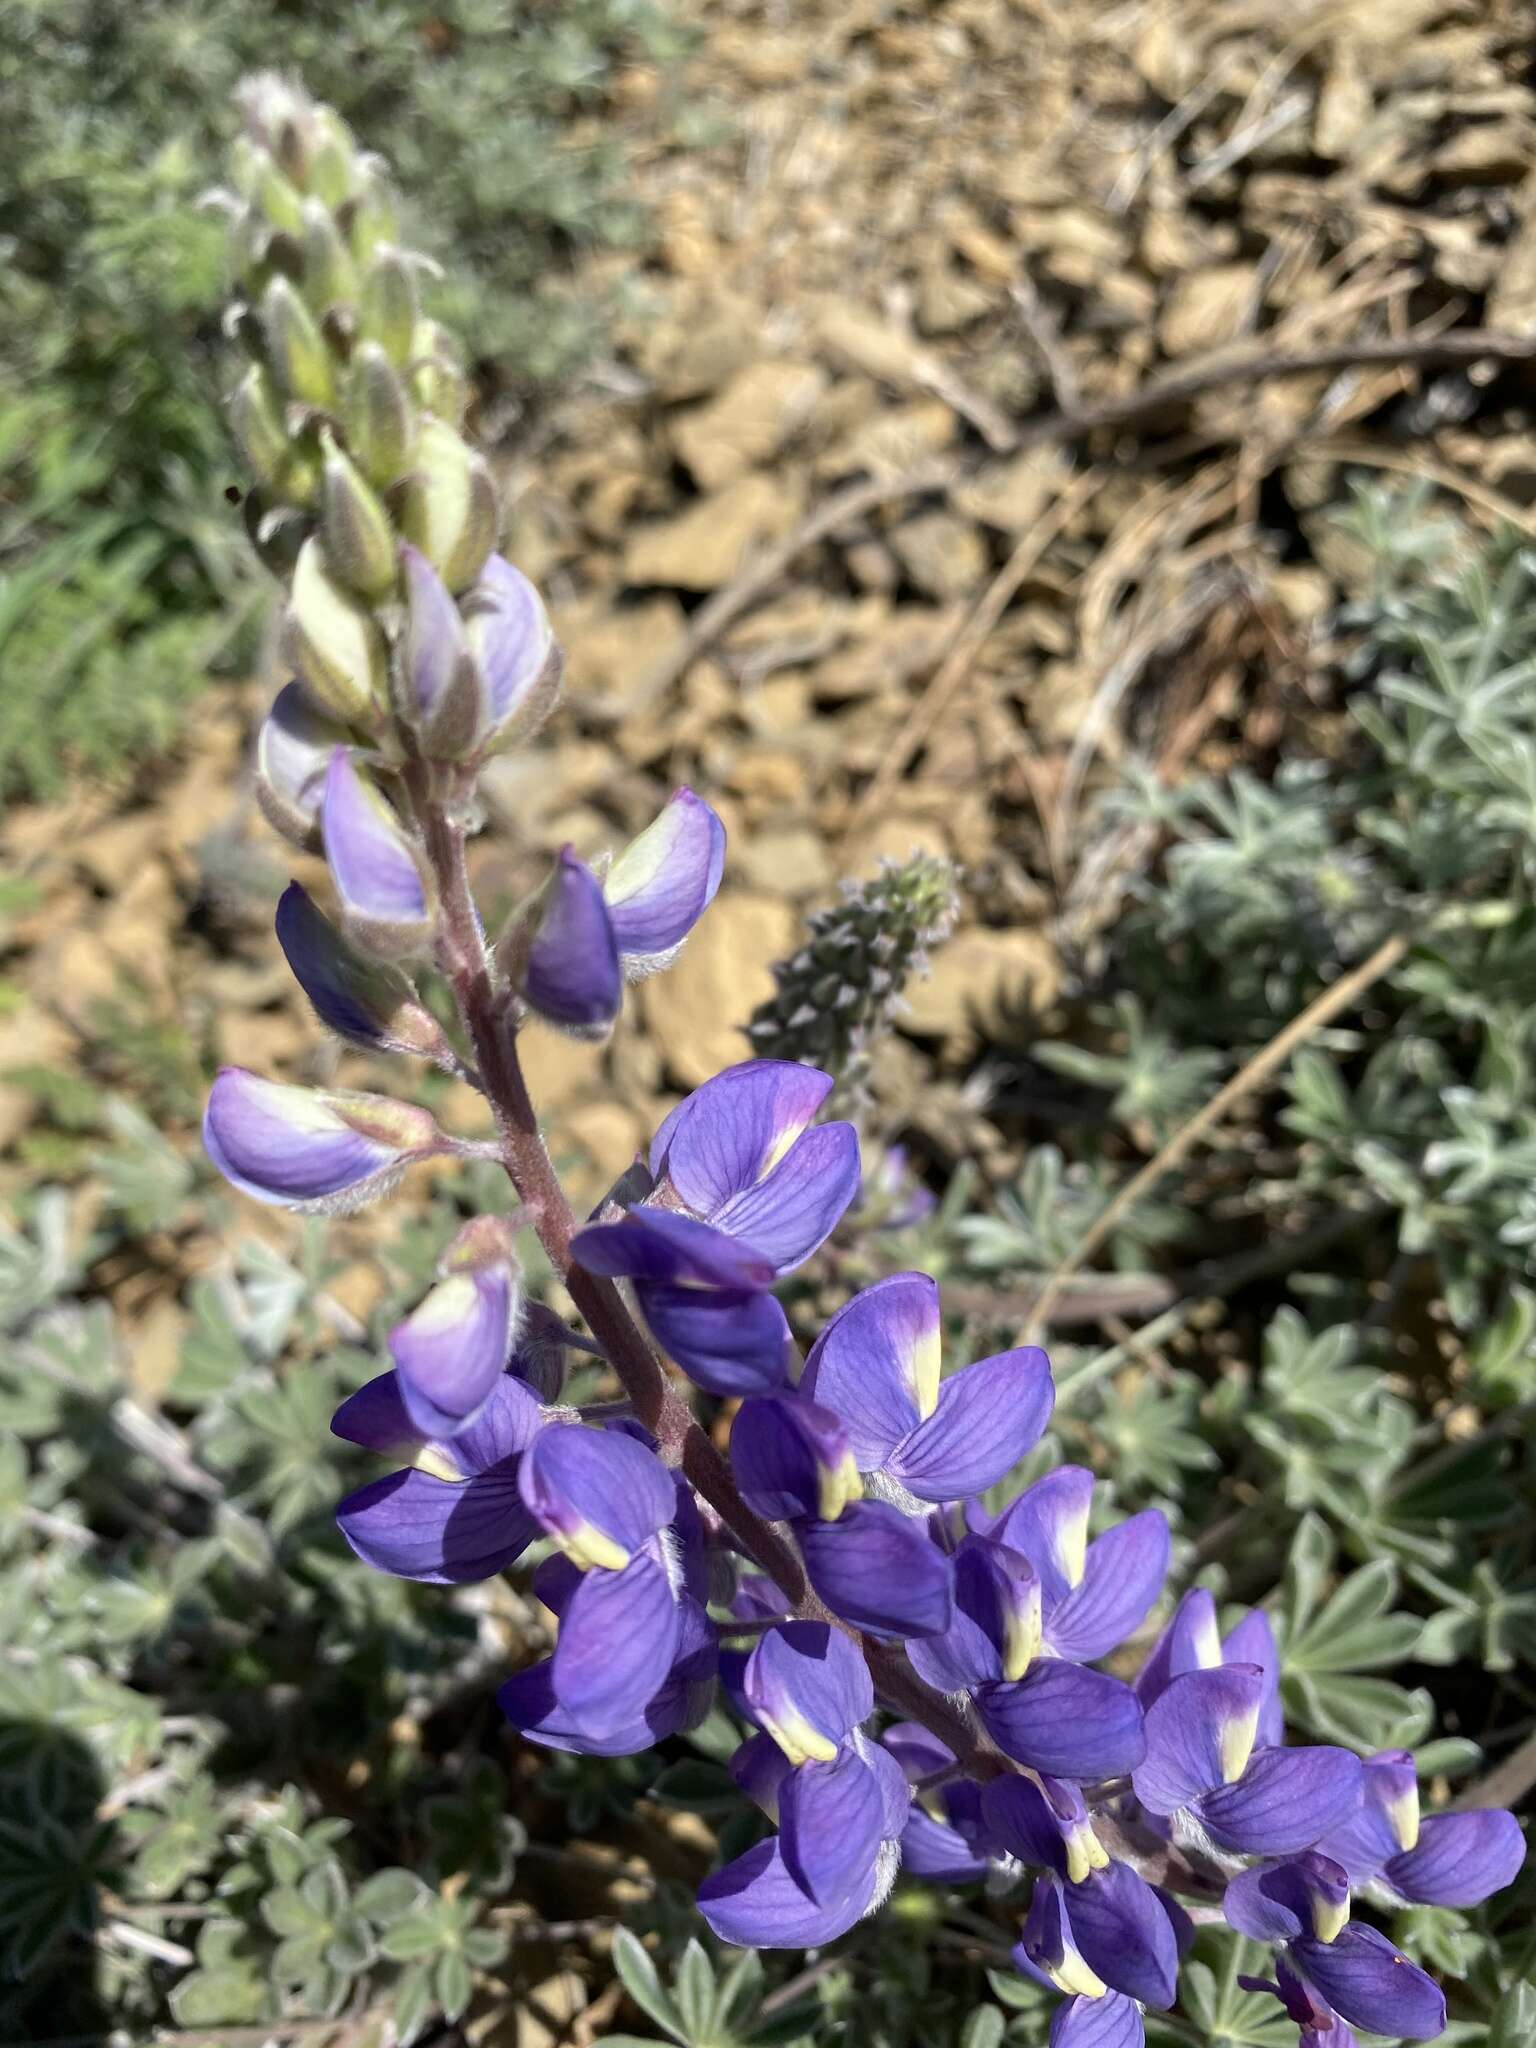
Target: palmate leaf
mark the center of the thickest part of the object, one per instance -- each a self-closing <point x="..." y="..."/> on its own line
<point x="51" y="1875"/>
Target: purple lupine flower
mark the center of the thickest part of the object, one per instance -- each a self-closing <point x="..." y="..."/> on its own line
<point x="876" y="1366"/>
<point x="514" y="648"/>
<point x="663" y="882"/>
<point x="531" y="1702"/>
<point x="453" y="1511"/>
<point x="744" y="1190"/>
<point x="609" y="1503"/>
<point x="1093" y="2015"/>
<point x="293" y="751"/>
<point x="1121" y="1927"/>
<point x="1203" y="1773"/>
<point x="839" y="1799"/>
<point x="378" y="878"/>
<point x="452" y="1348"/>
<point x="945" y="1838"/>
<point x="1353" y="1972"/>
<point x="1192" y="1641"/>
<point x="572" y="976"/>
<point x="322" y="1151"/>
<point x="1092" y="1595"/>
<point x="1445" y="1859"/>
<point x="871" y="1564"/>
<point x="1064" y="1719"/>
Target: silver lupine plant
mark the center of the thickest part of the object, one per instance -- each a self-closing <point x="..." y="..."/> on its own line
<point x="923" y="1677"/>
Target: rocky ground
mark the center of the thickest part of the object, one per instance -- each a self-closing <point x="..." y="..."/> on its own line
<point x="810" y="551"/>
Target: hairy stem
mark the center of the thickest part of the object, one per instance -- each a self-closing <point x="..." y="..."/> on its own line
<point x="681" y="1439"/>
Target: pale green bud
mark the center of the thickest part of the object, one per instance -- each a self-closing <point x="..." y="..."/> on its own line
<point x="328" y="273"/>
<point x="359" y="542"/>
<point x="369" y="217"/>
<point x="295" y="347"/>
<point x="381" y="431"/>
<point x="438" y="382"/>
<point x="256" y="420"/>
<point x="277" y="199"/>
<point x="387" y="309"/>
<point x="333" y="166"/>
<point x="333" y="642"/>
<point x="449" y="506"/>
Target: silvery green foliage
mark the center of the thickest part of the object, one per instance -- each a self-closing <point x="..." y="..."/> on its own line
<point x="843" y="987"/>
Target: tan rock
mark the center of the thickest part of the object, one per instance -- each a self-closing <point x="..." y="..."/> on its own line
<point x="792" y="863"/>
<point x="859" y="340"/>
<point x="706" y="545"/>
<point x="609" y="1133"/>
<point x="1011" y="495"/>
<point x="696" y="1011"/>
<point x="749" y="421"/>
<point x="1208" y="308"/>
<point x="943" y="555"/>
<point x="894" y="439"/>
<point x="556" y="1068"/>
<point x="985" y="983"/>
<point x="609" y="648"/>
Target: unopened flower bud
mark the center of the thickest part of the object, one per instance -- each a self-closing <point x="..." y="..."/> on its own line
<point x="359" y="542"/>
<point x="295" y="348"/>
<point x="443" y="692"/>
<point x="437" y="375"/>
<point x="293" y="751"/>
<point x="510" y="634"/>
<point x="276" y="198"/>
<point x="277" y="531"/>
<point x="256" y="420"/>
<point x="377" y="415"/>
<point x="334" y="642"/>
<point x="359" y="998"/>
<point x="320" y="1151"/>
<point x="381" y="883"/>
<point x="369" y="217"/>
<point x="387" y="309"/>
<point x="329" y="276"/>
<point x="449" y="507"/>
<point x="572" y="976"/>
<point x="332" y="165"/>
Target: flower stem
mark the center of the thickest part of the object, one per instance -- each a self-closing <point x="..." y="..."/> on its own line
<point x="680" y="1437"/>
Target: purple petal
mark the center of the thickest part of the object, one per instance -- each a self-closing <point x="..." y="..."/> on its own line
<point x="756" y="1903"/>
<point x="301" y="1148"/>
<point x="879" y="1570"/>
<point x="1460" y="1859"/>
<point x="376" y="1417"/>
<point x="808" y="1686"/>
<point x="876" y="1364"/>
<point x="1017" y="1813"/>
<point x="728" y="1341"/>
<point x="917" y="1749"/>
<point x="1199" y="1736"/>
<point x="830" y="1826"/>
<point x="601" y="1494"/>
<point x="793" y="1209"/>
<point x="616" y="1644"/>
<point x="529" y="1703"/>
<point x="436" y="648"/>
<point x="1049" y="1523"/>
<point x="509" y="1419"/>
<point x="664" y="881"/>
<point x="350" y="994"/>
<point x="510" y="633"/>
<point x="418" y="1527"/>
<point x="1122" y="1577"/>
<point x="572" y="976"/>
<point x="932" y="1850"/>
<point x="1253" y="1642"/>
<point x="995" y="1629"/>
<point x="452" y="1349"/>
<point x="1124" y="1934"/>
<point x="760" y="1768"/>
<point x="1286" y="1800"/>
<point x="661" y="1244"/>
<point x="1112" y="2021"/>
<point x="1372" y="1985"/>
<point x="724" y="1137"/>
<point x="1065" y="1719"/>
<point x="988" y="1417"/>
<point x="791" y="1459"/>
<point x="1047" y="1948"/>
<point x="1306" y="1897"/>
<point x="369" y="857"/>
<point x="293" y="751"/>
<point x="1190" y="1642"/>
